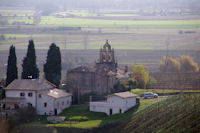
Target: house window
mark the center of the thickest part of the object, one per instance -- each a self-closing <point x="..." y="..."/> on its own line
<point x="40" y="96"/>
<point x="45" y="104"/>
<point x="22" y="94"/>
<point x="4" y="106"/>
<point x="30" y="94"/>
<point x="16" y="106"/>
<point x="62" y="103"/>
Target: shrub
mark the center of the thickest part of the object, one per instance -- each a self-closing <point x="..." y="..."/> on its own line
<point x="78" y="118"/>
<point x="141" y="76"/>
<point x="27" y="114"/>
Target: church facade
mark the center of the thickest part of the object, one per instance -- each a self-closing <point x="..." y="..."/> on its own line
<point x="98" y="78"/>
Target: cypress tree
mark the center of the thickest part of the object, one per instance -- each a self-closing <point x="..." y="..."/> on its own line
<point x="12" y="72"/>
<point x="29" y="65"/>
<point x="52" y="67"/>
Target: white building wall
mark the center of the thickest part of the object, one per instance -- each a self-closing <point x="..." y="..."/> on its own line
<point x="96" y="107"/>
<point x="52" y="103"/>
<point x="130" y="102"/>
<point x="113" y="103"/>
<point x="28" y="99"/>
<point x="61" y="103"/>
<point x="41" y="109"/>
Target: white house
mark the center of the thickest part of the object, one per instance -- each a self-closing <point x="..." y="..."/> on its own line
<point x="116" y="103"/>
<point x="39" y="93"/>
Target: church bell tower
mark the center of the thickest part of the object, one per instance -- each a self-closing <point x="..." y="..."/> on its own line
<point x="107" y="55"/>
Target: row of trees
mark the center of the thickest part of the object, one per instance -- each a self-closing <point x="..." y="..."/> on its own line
<point x="141" y="78"/>
<point x="184" y="64"/>
<point x="52" y="67"/>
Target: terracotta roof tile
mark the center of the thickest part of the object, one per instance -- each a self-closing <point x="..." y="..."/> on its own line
<point x="29" y="84"/>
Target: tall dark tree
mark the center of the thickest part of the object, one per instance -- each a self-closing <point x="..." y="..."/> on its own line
<point x="12" y="72"/>
<point x="29" y="65"/>
<point x="52" y="67"/>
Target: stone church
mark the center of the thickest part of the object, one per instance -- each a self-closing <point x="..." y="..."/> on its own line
<point x="100" y="77"/>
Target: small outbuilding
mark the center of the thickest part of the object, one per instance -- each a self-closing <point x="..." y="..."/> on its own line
<point x="116" y="103"/>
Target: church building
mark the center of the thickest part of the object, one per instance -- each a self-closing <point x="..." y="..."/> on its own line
<point x="98" y="78"/>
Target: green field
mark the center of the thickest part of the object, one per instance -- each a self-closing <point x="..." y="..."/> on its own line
<point x="53" y="21"/>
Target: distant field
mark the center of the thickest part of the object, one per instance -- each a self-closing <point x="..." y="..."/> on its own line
<point x="16" y="12"/>
<point x="151" y="34"/>
<point x="20" y="19"/>
<point x="53" y="21"/>
<point x="135" y="39"/>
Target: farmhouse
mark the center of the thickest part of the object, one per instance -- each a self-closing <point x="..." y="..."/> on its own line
<point x="39" y="93"/>
<point x="100" y="77"/>
<point x="116" y="103"/>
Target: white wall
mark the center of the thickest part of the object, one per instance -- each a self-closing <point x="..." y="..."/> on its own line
<point x="49" y="109"/>
<point x="61" y="103"/>
<point x="114" y="103"/>
<point x="52" y="103"/>
<point x="14" y="93"/>
<point x="38" y="103"/>
<point x="130" y="102"/>
<point x="96" y="107"/>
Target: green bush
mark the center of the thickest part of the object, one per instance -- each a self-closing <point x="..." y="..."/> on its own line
<point x="78" y="118"/>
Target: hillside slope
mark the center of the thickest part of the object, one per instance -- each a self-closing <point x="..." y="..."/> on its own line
<point x="180" y="113"/>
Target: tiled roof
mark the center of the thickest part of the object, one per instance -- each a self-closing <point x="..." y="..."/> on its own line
<point x="103" y="70"/>
<point x="12" y="100"/>
<point x="29" y="84"/>
<point x="89" y="68"/>
<point x="123" y="94"/>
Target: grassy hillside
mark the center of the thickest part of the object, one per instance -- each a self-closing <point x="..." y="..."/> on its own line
<point x="180" y="113"/>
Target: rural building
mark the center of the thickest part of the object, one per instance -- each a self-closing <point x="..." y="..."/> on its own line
<point x="115" y="104"/>
<point x="98" y="78"/>
<point x="39" y="93"/>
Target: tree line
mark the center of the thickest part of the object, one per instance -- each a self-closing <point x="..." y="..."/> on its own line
<point x="52" y="67"/>
<point x="142" y="79"/>
<point x="184" y="64"/>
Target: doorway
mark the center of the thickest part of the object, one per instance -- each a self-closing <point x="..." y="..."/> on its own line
<point x="110" y="112"/>
<point x="120" y="111"/>
<point x="55" y="111"/>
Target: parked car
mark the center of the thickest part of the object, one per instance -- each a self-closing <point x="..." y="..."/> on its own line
<point x="150" y="95"/>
